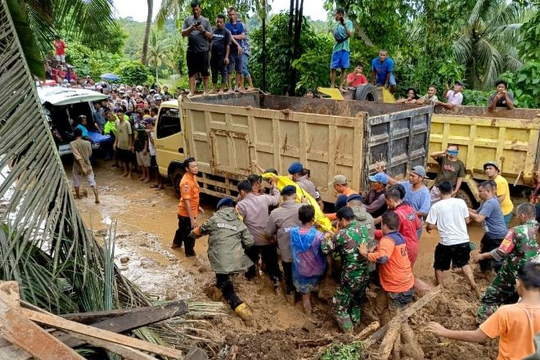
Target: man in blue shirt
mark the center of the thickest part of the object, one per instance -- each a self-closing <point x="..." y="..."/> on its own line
<point x="341" y="50"/>
<point x="238" y="34"/>
<point x="492" y="219"/>
<point x="382" y="69"/>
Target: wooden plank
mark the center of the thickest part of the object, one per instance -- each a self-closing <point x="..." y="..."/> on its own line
<point x="28" y="336"/>
<point x="124" y="351"/>
<point x="131" y="318"/>
<point x="59" y="323"/>
<point x="12" y="352"/>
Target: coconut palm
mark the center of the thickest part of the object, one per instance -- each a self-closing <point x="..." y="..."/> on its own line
<point x="487" y="43"/>
<point x="159" y="52"/>
<point x="147" y="31"/>
<point x="38" y="21"/>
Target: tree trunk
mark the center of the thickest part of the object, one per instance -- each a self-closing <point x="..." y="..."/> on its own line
<point x="264" y="46"/>
<point x="299" y="9"/>
<point x="147" y="31"/>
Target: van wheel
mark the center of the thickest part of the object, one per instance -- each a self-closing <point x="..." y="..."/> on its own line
<point x="176" y="177"/>
<point x="465" y="196"/>
<point x="366" y="92"/>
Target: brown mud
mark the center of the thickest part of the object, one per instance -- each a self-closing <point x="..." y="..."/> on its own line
<point x="144" y="221"/>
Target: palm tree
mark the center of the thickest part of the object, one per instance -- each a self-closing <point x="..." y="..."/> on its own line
<point x="147" y="31"/>
<point x="158" y="52"/>
<point x="37" y="22"/>
<point x="487" y="44"/>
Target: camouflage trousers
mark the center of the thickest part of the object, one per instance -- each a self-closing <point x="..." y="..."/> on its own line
<point x="348" y="297"/>
<point x="501" y="291"/>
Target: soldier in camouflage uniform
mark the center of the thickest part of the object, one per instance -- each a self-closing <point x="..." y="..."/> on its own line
<point x="518" y="247"/>
<point x="354" y="272"/>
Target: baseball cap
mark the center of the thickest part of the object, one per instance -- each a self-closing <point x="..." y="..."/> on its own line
<point x="288" y="190"/>
<point x="295" y="167"/>
<point x="492" y="163"/>
<point x="341" y="201"/>
<point x="339" y="180"/>
<point x="354" y="197"/>
<point x="380" y="178"/>
<point x="459" y="82"/>
<point x="224" y="202"/>
<point x="420" y="171"/>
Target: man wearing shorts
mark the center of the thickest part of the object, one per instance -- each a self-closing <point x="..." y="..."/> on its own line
<point x="82" y="150"/>
<point x="238" y="34"/>
<point x="341" y="50"/>
<point x="60" y="49"/>
<point x="450" y="217"/>
<point x="140" y="144"/>
<point x="198" y="31"/>
<point x="382" y="71"/>
<point x="123" y="144"/>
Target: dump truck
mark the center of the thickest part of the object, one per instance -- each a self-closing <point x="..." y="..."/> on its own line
<point x="227" y="133"/>
<point x="509" y="137"/>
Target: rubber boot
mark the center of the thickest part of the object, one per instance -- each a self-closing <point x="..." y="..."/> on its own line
<point x="243" y="312"/>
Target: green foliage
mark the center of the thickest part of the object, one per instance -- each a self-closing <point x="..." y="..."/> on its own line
<point x="530" y="38"/>
<point x="312" y="66"/>
<point x="475" y="97"/>
<point x="351" y="351"/>
<point x="93" y="62"/>
<point x="277" y="44"/>
<point x="525" y="84"/>
<point x="134" y="73"/>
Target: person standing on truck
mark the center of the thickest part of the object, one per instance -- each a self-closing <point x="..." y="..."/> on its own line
<point x="515" y="325"/>
<point x="82" y="150"/>
<point x="450" y="217"/>
<point x="354" y="278"/>
<point x="60" y="49"/>
<point x="341" y="50"/>
<point x="188" y="207"/>
<point x="502" y="98"/>
<point x="280" y="222"/>
<point x="375" y="201"/>
<point x="382" y="71"/>
<point x="199" y="33"/>
<point x="238" y="33"/>
<point x="450" y="169"/>
<point x="300" y="175"/>
<point x="228" y="238"/>
<point x="254" y="211"/>
<point x="518" y="248"/>
<point x="123" y="143"/>
<point x="453" y="97"/>
<point x="491" y="169"/>
<point x="490" y="214"/>
<point x="219" y="60"/>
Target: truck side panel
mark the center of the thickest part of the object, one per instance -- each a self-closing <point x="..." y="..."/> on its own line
<point x="481" y="138"/>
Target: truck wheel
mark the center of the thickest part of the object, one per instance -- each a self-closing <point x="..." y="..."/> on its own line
<point x="176" y="177"/>
<point x="366" y="92"/>
<point x="465" y="196"/>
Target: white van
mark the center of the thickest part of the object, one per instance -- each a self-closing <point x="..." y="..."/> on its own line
<point x="63" y="107"/>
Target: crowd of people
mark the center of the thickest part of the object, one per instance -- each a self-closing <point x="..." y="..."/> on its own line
<point x="375" y="236"/>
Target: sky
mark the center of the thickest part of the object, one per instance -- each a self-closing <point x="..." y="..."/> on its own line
<point x="137" y="8"/>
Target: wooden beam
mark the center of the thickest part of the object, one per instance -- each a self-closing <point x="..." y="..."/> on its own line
<point x="124" y="351"/>
<point x="131" y="318"/>
<point x="12" y="352"/>
<point x="25" y="334"/>
<point x="59" y="323"/>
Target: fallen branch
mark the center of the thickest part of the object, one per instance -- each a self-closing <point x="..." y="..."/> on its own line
<point x="404" y="315"/>
<point x="368" y="330"/>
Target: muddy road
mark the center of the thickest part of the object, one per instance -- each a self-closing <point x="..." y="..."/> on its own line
<point x="144" y="221"/>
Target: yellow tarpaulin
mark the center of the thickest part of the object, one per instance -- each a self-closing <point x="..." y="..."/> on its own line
<point x="321" y="221"/>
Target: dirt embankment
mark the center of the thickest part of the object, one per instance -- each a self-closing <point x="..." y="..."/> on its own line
<point x="145" y="223"/>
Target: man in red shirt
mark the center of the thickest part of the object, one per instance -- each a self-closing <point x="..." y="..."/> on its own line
<point x="60" y="48"/>
<point x="357" y="78"/>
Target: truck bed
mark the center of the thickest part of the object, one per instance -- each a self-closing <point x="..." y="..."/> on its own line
<point x="226" y="133"/>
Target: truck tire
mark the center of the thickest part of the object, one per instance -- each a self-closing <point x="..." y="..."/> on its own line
<point x="176" y="177"/>
<point x="366" y="92"/>
<point x="465" y="196"/>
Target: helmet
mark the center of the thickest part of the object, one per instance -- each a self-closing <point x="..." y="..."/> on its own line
<point x="492" y="163"/>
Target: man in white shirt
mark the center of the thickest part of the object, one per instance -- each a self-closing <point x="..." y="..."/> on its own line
<point x="453" y="97"/>
<point x="450" y="217"/>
